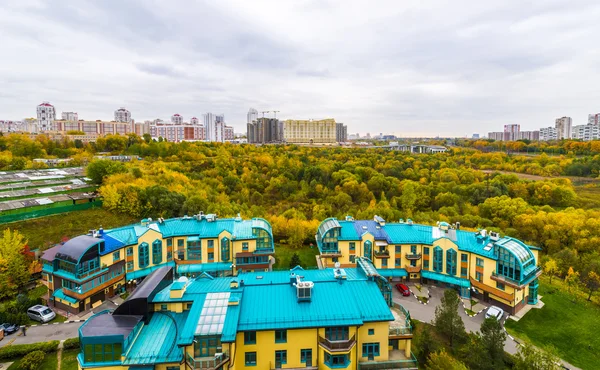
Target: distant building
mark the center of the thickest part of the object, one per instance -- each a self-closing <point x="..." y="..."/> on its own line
<point x="475" y="136"/>
<point x="511" y="132"/>
<point x="252" y="115"/>
<point x="548" y="133"/>
<point x="177" y="119"/>
<point x="498" y="136"/>
<point x="177" y="132"/>
<point x="563" y="127"/>
<point x="194" y="121"/>
<point x="264" y="131"/>
<point x="214" y="125"/>
<point x="46" y="114"/>
<point x="341" y="132"/>
<point x="586" y="132"/>
<point x="594" y="119"/>
<point x="529" y="135"/>
<point x="310" y="131"/>
<point x="11" y="126"/>
<point x="389" y="137"/>
<point x="122" y="115"/>
<point x="70" y="116"/>
<point x="228" y="133"/>
<point x="140" y="128"/>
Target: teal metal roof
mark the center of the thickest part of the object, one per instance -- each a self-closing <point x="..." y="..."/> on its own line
<point x="186" y="337"/>
<point x="392" y="272"/>
<point x="58" y="293"/>
<point x="409" y="233"/>
<point x="446" y="278"/>
<point x="202" y="267"/>
<point x="348" y="231"/>
<point x="232" y="318"/>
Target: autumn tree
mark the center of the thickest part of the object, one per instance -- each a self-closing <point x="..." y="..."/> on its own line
<point x="550" y="268"/>
<point x="443" y="361"/>
<point x="572" y="279"/>
<point x="14" y="267"/>
<point x="531" y="358"/>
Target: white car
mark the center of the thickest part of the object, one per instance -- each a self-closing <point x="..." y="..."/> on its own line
<point x="495" y="312"/>
<point x="40" y="313"/>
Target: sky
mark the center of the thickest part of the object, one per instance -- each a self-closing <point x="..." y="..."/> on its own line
<point x="409" y="68"/>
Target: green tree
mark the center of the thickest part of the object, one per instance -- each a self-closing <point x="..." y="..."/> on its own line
<point x="493" y="338"/>
<point x="447" y="320"/>
<point x="572" y="279"/>
<point x="14" y="267"/>
<point x="443" y="361"/>
<point x="592" y="283"/>
<point x="98" y="170"/>
<point x="551" y="268"/>
<point x="408" y="198"/>
<point x="530" y="358"/>
<point x="147" y="138"/>
<point x="194" y="204"/>
<point x="295" y="261"/>
<point x="32" y="360"/>
<point x="425" y="344"/>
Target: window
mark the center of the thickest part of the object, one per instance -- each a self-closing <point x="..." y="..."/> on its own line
<point x="451" y="262"/>
<point x="130" y="251"/>
<point x="194" y="251"/>
<point x="169" y="256"/>
<point x="157" y="252"/>
<point x="478" y="276"/>
<point x="500" y="286"/>
<point x="250" y="337"/>
<point x="280" y="336"/>
<point x="245" y="246"/>
<point x="464" y="257"/>
<point x="413" y="249"/>
<point x="211" y="257"/>
<point x="352" y="247"/>
<point x="438" y="257"/>
<point x="463" y="271"/>
<point x="337" y="333"/>
<point x="180" y="243"/>
<point x="336" y="360"/>
<point x="397" y="262"/>
<point x="352" y="258"/>
<point x="368" y="249"/>
<point x="306" y="356"/>
<point x="280" y="358"/>
<point x="116" y="256"/>
<point x="173" y="368"/>
<point x="163" y="307"/>
<point x="102" y="352"/>
<point x="426" y="251"/>
<point x="211" y="244"/>
<point x="371" y="331"/>
<point x="250" y="358"/>
<point x="225" y="250"/>
<point x="143" y="257"/>
<point x="129" y="266"/>
<point x="188" y="306"/>
<point x="384" y="263"/>
<point x="398" y="249"/>
<point x="170" y="242"/>
<point x="426" y="264"/>
<point x="479" y="262"/>
<point x="413" y="263"/>
<point x="370" y="350"/>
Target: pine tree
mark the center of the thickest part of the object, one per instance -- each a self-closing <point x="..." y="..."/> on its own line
<point x="295" y="261"/>
<point x="447" y="320"/>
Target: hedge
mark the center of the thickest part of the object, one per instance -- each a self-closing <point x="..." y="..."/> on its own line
<point x="72" y="343"/>
<point x="20" y="350"/>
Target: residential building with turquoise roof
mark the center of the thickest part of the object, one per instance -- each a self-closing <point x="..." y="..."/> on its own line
<point x="298" y="319"/>
<point x="84" y="271"/>
<point x="500" y="270"/>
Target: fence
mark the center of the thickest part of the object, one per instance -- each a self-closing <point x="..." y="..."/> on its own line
<point x="49" y="212"/>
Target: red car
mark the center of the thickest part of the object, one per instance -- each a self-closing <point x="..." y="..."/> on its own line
<point x="403" y="289"/>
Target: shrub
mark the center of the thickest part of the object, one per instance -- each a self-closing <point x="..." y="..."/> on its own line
<point x="72" y="343"/>
<point x="20" y="350"/>
<point x="32" y="360"/>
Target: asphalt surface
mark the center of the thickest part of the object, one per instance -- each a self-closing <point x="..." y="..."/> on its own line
<point x="43" y="333"/>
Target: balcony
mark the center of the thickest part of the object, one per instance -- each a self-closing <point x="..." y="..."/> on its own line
<point x="337" y="345"/>
<point x="208" y="363"/>
<point x="279" y="366"/>
<point x="382" y="254"/>
<point x="264" y="251"/>
<point x="397" y="361"/>
<point x="413" y="256"/>
<point x="93" y="287"/>
<point x="331" y="253"/>
<point x="516" y="283"/>
<point x="412" y="269"/>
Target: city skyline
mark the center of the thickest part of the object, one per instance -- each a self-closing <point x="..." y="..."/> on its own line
<point x="439" y="71"/>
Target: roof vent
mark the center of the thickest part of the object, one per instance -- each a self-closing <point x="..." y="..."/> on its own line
<point x="409" y="221"/>
<point x="494" y="236"/>
<point x="303" y="289"/>
<point x="483" y="233"/>
<point x="364" y="227"/>
<point x="238" y="218"/>
<point x="349" y="218"/>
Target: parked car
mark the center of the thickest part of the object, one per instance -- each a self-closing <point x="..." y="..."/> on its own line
<point x="9" y="328"/>
<point x="40" y="313"/>
<point x="403" y="289"/>
<point x="495" y="312"/>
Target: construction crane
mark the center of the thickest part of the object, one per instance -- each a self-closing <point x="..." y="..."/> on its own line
<point x="263" y="112"/>
<point x="275" y="113"/>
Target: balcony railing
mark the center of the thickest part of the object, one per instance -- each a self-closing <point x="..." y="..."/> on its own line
<point x="331" y="252"/>
<point x="413" y="256"/>
<point x="399" y="331"/>
<point x="382" y="254"/>
<point x="412" y="269"/>
<point x="208" y="363"/>
<point x="393" y="364"/>
<point x="337" y="345"/>
<point x="517" y="283"/>
<point x="264" y="250"/>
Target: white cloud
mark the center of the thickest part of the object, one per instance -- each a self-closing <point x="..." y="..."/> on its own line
<point x="411" y="68"/>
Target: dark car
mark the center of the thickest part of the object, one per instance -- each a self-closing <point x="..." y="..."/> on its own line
<point x="403" y="289"/>
<point x="9" y="328"/>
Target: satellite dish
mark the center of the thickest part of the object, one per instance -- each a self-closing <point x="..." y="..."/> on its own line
<point x="337" y="265"/>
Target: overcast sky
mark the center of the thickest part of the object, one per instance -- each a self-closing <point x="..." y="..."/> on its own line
<point x="404" y="67"/>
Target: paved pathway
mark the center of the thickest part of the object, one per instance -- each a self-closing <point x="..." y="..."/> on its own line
<point x="426" y="313"/>
<point x="44" y="333"/>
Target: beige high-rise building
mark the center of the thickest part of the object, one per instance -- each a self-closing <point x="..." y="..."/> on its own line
<point x="310" y="131"/>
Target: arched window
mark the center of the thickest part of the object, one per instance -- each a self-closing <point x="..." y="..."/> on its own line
<point x="157" y="252"/>
<point x="143" y="257"/>
<point x="225" y="250"/>
<point x="368" y="249"/>
<point x="438" y="259"/>
<point x="451" y="262"/>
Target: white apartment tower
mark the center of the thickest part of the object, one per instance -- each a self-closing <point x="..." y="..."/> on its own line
<point x="214" y="124"/>
<point x="70" y="116"/>
<point x="194" y="121"/>
<point x="511" y="132"/>
<point x="563" y="128"/>
<point x="594" y="119"/>
<point x="46" y="114"/>
<point x="252" y="115"/>
<point x="177" y="119"/>
<point x="122" y="115"/>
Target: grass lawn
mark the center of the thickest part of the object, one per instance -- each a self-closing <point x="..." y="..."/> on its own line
<point x="569" y="324"/>
<point x="283" y="255"/>
<point x="50" y="363"/>
<point x="47" y="231"/>
<point x="69" y="359"/>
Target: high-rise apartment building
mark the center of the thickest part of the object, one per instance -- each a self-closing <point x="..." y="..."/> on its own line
<point x="341" y="132"/>
<point x="214" y="124"/>
<point x="228" y="133"/>
<point x="265" y="130"/>
<point x="498" y="136"/>
<point x="586" y="132"/>
<point x="70" y="116"/>
<point x="122" y="115"/>
<point x="529" y="135"/>
<point x="177" y="119"/>
<point x="252" y="115"/>
<point x="594" y="119"/>
<point x="46" y="114"/>
<point x="548" y="133"/>
<point x="563" y="127"/>
<point x="310" y="131"/>
<point x="511" y="132"/>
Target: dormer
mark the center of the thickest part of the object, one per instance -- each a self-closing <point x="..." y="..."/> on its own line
<point x="380" y="221"/>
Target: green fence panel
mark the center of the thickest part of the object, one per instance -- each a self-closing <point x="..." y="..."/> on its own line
<point x="49" y="211"/>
